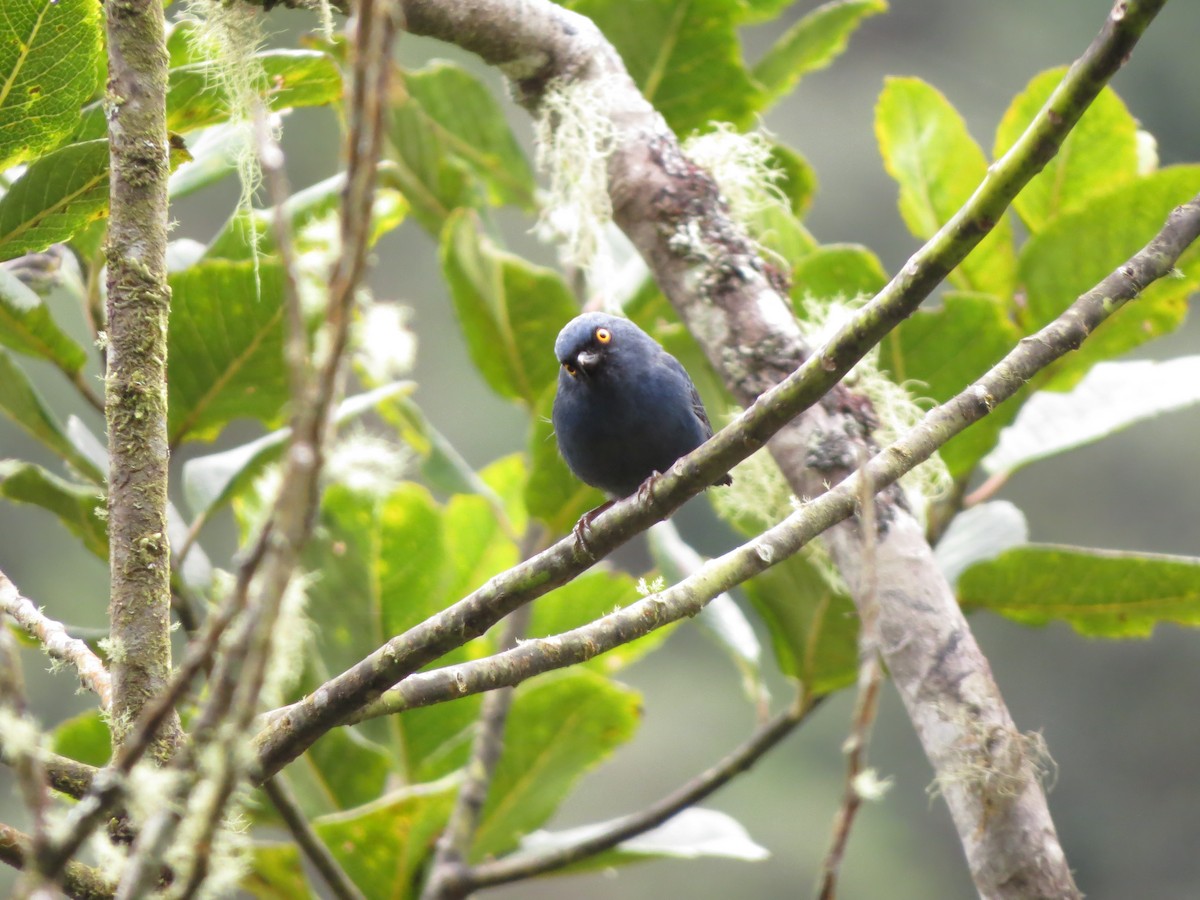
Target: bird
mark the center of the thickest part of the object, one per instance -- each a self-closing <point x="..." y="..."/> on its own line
<point x="625" y="409"/>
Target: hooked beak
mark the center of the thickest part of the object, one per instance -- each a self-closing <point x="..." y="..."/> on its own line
<point x="587" y="360"/>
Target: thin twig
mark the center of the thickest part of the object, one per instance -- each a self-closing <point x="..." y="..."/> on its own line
<point x="77" y="880"/>
<point x="448" y="878"/>
<point x="56" y="642"/>
<point x="527" y="865"/>
<point x="264" y="576"/>
<point x="313" y="847"/>
<point x="26" y="750"/>
<point x="870" y="677"/>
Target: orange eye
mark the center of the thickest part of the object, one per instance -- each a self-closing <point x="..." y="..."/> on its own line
<point x="603" y="335"/>
<point x="570" y="369"/>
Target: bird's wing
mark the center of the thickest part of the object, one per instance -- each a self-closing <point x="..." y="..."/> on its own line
<point x="697" y="403"/>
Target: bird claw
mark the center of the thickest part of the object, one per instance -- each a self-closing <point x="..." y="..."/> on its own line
<point x="584" y="525"/>
<point x="645" y="491"/>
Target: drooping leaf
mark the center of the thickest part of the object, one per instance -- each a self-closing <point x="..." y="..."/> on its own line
<point x="196" y="96"/>
<point x="1111" y="397"/>
<point x="1100" y="593"/>
<point x="1078" y="249"/>
<point x="938" y="165"/>
<point x="56" y="196"/>
<point x="939" y="351"/>
<point x="21" y="402"/>
<point x="813" y="625"/>
<point x="694" y="833"/>
<point x="48" y="55"/>
<point x="1098" y="154"/>
<point x="510" y="311"/>
<point x="27" y="327"/>
<point x="453" y="147"/>
<point x="79" y="507"/>
<point x="685" y="56"/>
<point x="811" y="44"/>
<point x="60" y="194"/>
<point x="560" y="726"/>
<point x="225" y="348"/>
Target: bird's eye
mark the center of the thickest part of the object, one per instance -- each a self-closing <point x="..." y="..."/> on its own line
<point x="570" y="369"/>
<point x="603" y="335"/>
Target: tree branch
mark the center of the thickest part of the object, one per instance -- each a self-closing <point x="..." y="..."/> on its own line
<point x="78" y="881"/>
<point x="318" y="854"/>
<point x="56" y="642"/>
<point x="136" y="384"/>
<point x="939" y="425"/>
<point x="527" y="865"/>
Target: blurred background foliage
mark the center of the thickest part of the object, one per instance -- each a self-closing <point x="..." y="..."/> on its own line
<point x="1116" y="714"/>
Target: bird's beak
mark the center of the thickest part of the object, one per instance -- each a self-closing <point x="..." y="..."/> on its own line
<point x="587" y="360"/>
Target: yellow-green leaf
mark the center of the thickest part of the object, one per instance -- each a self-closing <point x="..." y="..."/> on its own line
<point x="48" y="54"/>
<point x="926" y="148"/>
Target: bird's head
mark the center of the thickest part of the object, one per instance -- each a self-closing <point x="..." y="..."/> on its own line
<point x="591" y="340"/>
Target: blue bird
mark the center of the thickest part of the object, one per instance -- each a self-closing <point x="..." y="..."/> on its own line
<point x="625" y="408"/>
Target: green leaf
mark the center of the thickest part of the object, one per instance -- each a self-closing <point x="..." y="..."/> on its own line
<point x="813" y="625"/>
<point x="980" y="533"/>
<point x="1098" y="154"/>
<point x="685" y="56"/>
<point x="27" y="327"/>
<point x="938" y="165"/>
<point x="560" y="726"/>
<point x="340" y="771"/>
<point x="84" y="738"/>
<point x="694" y="833"/>
<point x="1111" y="397"/>
<point x="277" y="873"/>
<point x="589" y="597"/>
<point x="553" y="495"/>
<point x="1079" y="249"/>
<point x="196" y="97"/>
<point x="48" y="53"/>
<point x="56" y="196"/>
<point x="811" y="44"/>
<point x="510" y="311"/>
<point x="386" y="565"/>
<point x="940" y="351"/>
<point x="453" y="147"/>
<point x="79" y="507"/>
<point x="1100" y="593"/>
<point x="798" y="181"/>
<point x="837" y="272"/>
<point x="225" y="348"/>
<point x="385" y="846"/>
<point x="311" y="206"/>
<point x="21" y="402"/>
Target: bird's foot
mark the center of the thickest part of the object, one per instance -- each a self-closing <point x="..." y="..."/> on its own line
<point x="584" y="526"/>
